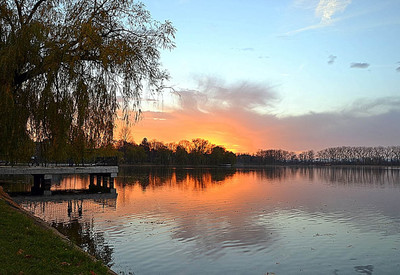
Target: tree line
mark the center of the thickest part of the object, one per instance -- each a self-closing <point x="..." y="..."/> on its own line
<point x="195" y="152"/>
<point x="344" y="155"/>
<point x="201" y="152"/>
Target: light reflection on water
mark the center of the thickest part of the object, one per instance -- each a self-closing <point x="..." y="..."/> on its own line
<point x="218" y="221"/>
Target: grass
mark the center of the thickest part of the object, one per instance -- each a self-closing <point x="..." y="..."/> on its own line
<point x="28" y="248"/>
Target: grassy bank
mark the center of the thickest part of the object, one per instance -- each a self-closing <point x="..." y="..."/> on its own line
<point x="28" y="247"/>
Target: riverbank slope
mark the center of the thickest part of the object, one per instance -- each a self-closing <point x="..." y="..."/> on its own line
<point x="29" y="246"/>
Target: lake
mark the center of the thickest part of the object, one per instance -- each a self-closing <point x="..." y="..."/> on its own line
<point x="227" y="221"/>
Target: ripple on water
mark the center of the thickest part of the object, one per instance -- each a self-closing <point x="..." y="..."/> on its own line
<point x="231" y="227"/>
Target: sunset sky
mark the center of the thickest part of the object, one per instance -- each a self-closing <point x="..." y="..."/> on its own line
<point x="295" y="75"/>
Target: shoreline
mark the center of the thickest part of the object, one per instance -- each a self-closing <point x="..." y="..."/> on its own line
<point x="253" y="166"/>
<point x="4" y="196"/>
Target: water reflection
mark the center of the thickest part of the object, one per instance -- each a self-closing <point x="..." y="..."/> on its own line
<point x="286" y="220"/>
<point x="371" y="176"/>
<point x="154" y="177"/>
<point x="361" y="176"/>
<point x="84" y="235"/>
<point x="368" y="269"/>
<point x="157" y="176"/>
<point x="72" y="216"/>
<point x="70" y="182"/>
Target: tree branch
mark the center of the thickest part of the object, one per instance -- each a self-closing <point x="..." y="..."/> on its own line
<point x="34" y="9"/>
<point x="19" y="12"/>
<point x="5" y="11"/>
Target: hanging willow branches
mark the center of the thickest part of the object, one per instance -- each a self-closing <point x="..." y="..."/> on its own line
<point x="63" y="64"/>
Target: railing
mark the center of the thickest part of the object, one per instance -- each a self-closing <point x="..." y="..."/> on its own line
<point x="106" y="161"/>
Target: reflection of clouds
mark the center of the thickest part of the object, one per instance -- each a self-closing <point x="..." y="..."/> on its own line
<point x="212" y="235"/>
<point x="208" y="230"/>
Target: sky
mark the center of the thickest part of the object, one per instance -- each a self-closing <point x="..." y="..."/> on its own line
<point x="276" y="74"/>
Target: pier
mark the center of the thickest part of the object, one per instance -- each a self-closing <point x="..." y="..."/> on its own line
<point x="101" y="177"/>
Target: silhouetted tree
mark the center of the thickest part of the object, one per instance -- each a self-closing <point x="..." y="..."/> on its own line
<point x="146" y="147"/>
<point x="181" y="155"/>
<point x="219" y="155"/>
<point x="360" y="155"/>
<point x="156" y="152"/>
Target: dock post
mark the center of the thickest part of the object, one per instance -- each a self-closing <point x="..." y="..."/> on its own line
<point x="112" y="188"/>
<point x="47" y="185"/>
<point x="105" y="181"/>
<point x="98" y="181"/>
<point x="91" y="181"/>
<point x="38" y="184"/>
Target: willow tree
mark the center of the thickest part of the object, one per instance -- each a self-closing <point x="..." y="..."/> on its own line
<point x="64" y="63"/>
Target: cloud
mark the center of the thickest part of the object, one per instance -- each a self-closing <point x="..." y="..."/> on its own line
<point x="213" y="93"/>
<point x="226" y="114"/>
<point x="305" y="4"/>
<point x="398" y="68"/>
<point x="324" y="10"/>
<point x="368" y="107"/>
<point x="327" y="8"/>
<point x="331" y="59"/>
<point x="312" y="27"/>
<point x="322" y="130"/>
<point x="247" y="49"/>
<point x="359" y="65"/>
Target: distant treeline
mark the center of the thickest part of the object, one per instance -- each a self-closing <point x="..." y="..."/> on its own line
<point x="344" y="155"/>
<point x="202" y="152"/>
<point x="195" y="152"/>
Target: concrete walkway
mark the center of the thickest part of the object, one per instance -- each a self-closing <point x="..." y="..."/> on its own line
<point x="58" y="170"/>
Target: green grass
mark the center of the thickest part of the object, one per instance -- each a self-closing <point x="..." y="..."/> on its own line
<point x="27" y="248"/>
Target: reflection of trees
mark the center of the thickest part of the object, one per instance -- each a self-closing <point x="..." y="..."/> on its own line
<point x="154" y="177"/>
<point x="16" y="183"/>
<point x="160" y="176"/>
<point x="84" y="235"/>
<point x="70" y="215"/>
<point x="336" y="175"/>
<point x="278" y="173"/>
<point x="360" y="176"/>
<point x="274" y="173"/>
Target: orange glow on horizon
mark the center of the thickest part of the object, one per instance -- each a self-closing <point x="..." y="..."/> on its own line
<point x="176" y="126"/>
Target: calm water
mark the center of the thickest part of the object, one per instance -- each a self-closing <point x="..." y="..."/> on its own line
<point x="280" y="220"/>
